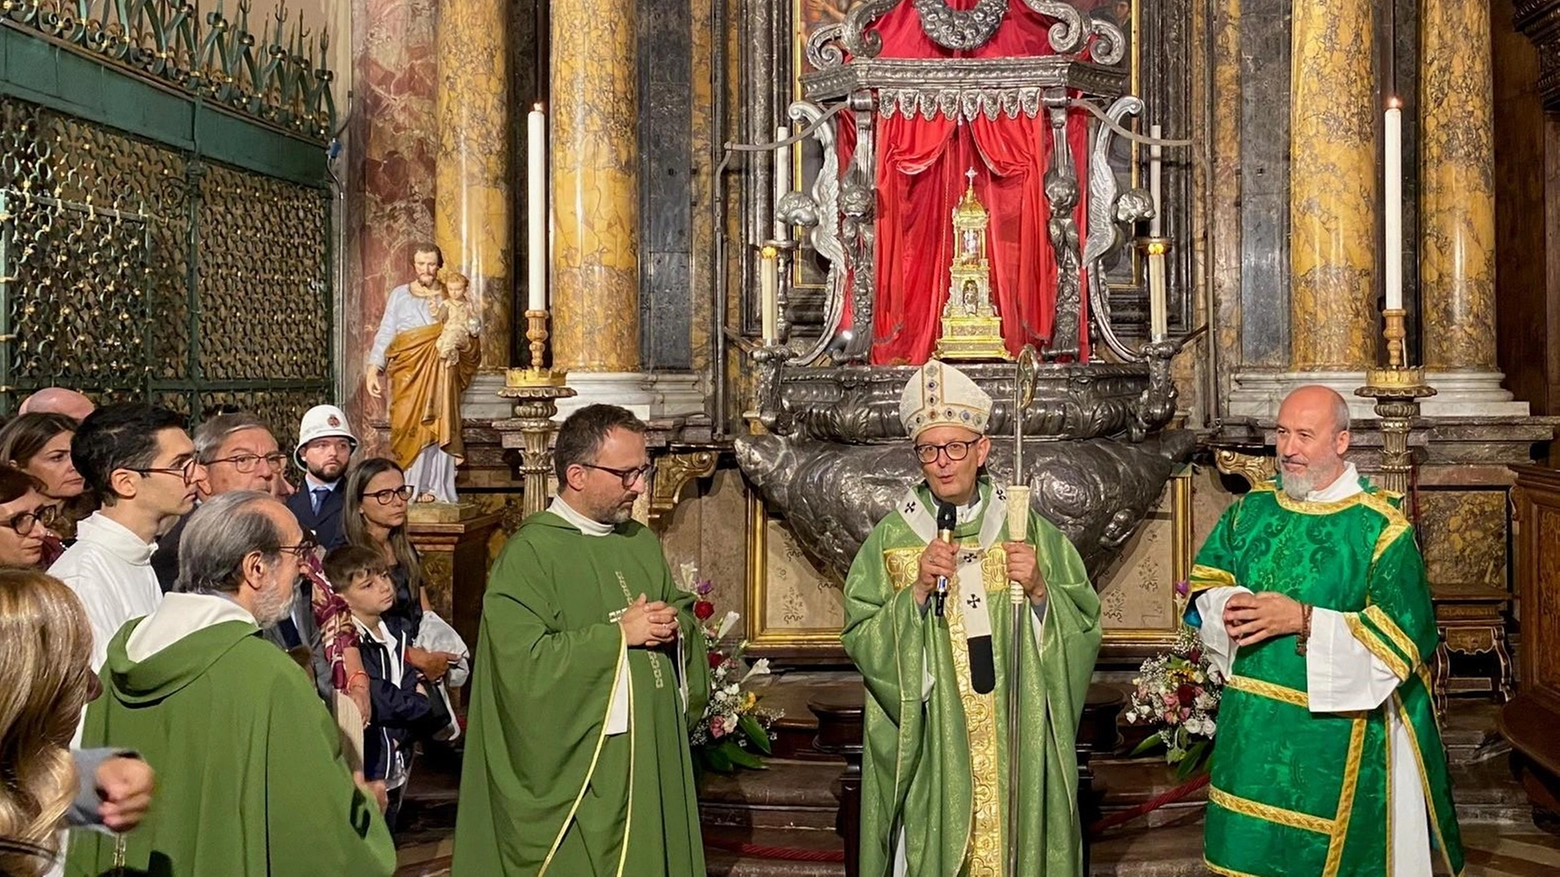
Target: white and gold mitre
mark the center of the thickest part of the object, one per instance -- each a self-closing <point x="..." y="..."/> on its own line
<point x="941" y="395"/>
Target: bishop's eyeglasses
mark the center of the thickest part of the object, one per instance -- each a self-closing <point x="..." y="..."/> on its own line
<point x="956" y="451"/>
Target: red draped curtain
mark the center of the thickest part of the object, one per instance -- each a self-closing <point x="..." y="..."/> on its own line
<point x="921" y="166"/>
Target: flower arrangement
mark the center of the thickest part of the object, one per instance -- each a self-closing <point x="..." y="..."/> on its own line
<point x="734" y="730"/>
<point x="1179" y="692"/>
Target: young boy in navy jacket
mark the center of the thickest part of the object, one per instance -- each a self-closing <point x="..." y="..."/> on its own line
<point x="402" y="709"/>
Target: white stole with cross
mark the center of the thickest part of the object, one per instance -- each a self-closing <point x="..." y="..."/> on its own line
<point x="970" y="581"/>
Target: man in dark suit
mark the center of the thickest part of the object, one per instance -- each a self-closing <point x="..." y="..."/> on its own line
<point x="325" y="446"/>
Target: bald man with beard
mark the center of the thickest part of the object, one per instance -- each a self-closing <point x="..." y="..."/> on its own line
<point x="1311" y="600"/>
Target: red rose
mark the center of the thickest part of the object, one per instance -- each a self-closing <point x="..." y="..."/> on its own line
<point x="716" y="659"/>
<point x="1186" y="694"/>
<point x="703" y="609"/>
<point x="1195" y="656"/>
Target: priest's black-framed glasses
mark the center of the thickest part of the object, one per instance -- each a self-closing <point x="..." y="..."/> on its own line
<point x="627" y="476"/>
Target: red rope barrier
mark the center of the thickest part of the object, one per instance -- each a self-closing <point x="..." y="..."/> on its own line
<point x="788" y="854"/>
<point x="1150" y="806"/>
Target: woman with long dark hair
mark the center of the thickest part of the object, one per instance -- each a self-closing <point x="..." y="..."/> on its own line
<point x="45" y="680"/>
<point x="375" y="518"/>
<point x="39" y="444"/>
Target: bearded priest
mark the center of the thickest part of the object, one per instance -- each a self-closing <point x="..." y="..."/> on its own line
<point x="1310" y="597"/>
<point x="928" y="622"/>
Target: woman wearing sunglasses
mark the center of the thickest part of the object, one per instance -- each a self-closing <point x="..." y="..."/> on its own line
<point x="377" y="496"/>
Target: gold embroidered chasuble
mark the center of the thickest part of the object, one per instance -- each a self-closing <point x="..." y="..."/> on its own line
<point x="935" y="761"/>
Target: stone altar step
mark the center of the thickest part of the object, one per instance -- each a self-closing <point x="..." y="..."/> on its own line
<point x="721" y="862"/>
<point x="789" y="794"/>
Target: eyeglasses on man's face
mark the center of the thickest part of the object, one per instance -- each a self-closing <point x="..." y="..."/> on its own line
<point x="307" y="546"/>
<point x="956" y="451"/>
<point x="185" y="470"/>
<point x="627" y="476"/>
<point x="246" y="463"/>
<point x="387" y="495"/>
<point x="23" y="522"/>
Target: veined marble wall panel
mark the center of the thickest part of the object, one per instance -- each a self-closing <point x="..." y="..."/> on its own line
<point x="706" y="529"/>
<point x="1264" y="182"/>
<point x="1463" y="534"/>
<point x="390" y="179"/>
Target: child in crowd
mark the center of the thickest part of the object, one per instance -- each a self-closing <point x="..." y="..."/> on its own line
<point x="402" y="708"/>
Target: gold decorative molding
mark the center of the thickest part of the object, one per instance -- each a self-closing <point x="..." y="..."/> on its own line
<point x="1254" y="468"/>
<point x="764" y="637"/>
<point x="672" y="474"/>
<point x="1142" y="642"/>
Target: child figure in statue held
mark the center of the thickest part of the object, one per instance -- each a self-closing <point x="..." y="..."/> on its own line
<point x="459" y="318"/>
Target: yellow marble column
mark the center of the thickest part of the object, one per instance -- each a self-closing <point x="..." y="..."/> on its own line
<point x="1333" y="202"/>
<point x="473" y="204"/>
<point x="1457" y="194"/>
<point x="594" y="160"/>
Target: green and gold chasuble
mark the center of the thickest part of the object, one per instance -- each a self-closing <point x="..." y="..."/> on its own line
<point x="545" y="788"/>
<point x="935" y="764"/>
<point x="1296" y="793"/>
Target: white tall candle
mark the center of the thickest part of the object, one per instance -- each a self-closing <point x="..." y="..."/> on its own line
<point x="1158" y="303"/>
<point x="1155" y="153"/>
<point x="768" y="302"/>
<point x="782" y="182"/>
<point x="1393" y="256"/>
<point x="536" y="208"/>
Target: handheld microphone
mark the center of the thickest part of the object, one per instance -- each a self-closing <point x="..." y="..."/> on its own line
<point x="947" y="519"/>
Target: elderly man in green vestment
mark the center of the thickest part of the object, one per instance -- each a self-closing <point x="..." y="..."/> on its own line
<point x="251" y="781"/>
<point x="935" y="780"/>
<point x="590" y="670"/>
<point x="1311" y="599"/>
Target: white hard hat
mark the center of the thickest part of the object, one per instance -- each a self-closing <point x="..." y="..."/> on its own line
<point x="322" y="421"/>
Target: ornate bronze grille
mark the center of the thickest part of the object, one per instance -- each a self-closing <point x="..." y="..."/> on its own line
<point x="132" y="270"/>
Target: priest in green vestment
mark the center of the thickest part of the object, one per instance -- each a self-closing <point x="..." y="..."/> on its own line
<point x="1311" y="600"/>
<point x="590" y="670"/>
<point x="251" y="781"/>
<point x="936" y="777"/>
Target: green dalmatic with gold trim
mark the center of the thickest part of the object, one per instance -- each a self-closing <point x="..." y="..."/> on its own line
<point x="1302" y="793"/>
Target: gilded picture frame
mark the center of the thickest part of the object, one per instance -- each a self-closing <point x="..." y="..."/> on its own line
<point x="773" y="637"/>
<point x="1136" y="643"/>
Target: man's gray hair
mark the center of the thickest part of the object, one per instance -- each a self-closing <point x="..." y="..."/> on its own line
<point x="210" y="435"/>
<point x="219" y="535"/>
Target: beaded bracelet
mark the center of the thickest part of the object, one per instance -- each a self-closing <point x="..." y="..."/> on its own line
<point x="1305" y="629"/>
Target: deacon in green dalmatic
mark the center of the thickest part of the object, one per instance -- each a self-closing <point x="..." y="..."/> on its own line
<point x="590" y="670"/>
<point x="935" y="771"/>
<point x="1311" y="598"/>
